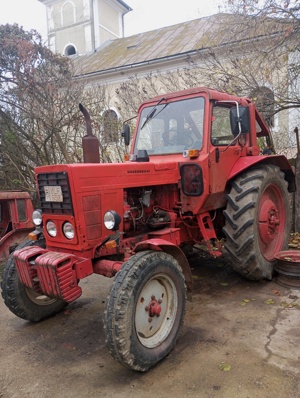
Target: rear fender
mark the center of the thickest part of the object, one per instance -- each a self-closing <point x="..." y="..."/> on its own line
<point x="10" y="241"/>
<point x="281" y="161"/>
<point x="174" y="251"/>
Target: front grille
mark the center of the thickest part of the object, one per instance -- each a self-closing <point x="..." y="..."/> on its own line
<point x="55" y="179"/>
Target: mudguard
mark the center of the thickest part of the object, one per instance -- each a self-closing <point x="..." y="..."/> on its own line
<point x="281" y="161"/>
<point x="173" y="250"/>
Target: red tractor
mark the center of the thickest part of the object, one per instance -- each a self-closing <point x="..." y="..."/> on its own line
<point x="15" y="220"/>
<point x="194" y="175"/>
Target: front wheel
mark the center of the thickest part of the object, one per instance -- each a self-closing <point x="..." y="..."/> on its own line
<point x="145" y="310"/>
<point x="22" y="301"/>
<point x="258" y="221"/>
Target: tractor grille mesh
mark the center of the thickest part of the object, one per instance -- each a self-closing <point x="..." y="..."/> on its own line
<point x="55" y="179"/>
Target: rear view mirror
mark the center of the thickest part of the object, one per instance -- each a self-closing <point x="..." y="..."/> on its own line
<point x="126" y="134"/>
<point x="239" y="120"/>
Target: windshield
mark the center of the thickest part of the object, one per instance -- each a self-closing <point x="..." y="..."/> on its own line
<point x="172" y="128"/>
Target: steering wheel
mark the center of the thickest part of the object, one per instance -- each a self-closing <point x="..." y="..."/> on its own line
<point x="174" y="138"/>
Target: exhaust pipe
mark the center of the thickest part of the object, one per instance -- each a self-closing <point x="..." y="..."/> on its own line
<point x="90" y="143"/>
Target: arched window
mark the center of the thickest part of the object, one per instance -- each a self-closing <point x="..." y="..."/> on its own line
<point x="110" y="126"/>
<point x="70" y="50"/>
<point x="265" y="102"/>
<point x="68" y="14"/>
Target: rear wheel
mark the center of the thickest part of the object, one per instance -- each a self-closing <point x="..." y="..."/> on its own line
<point x="23" y="302"/>
<point x="258" y="221"/>
<point x="145" y="310"/>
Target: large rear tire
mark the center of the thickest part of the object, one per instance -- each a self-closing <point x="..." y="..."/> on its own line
<point x="24" y="302"/>
<point x="257" y="221"/>
<point x="145" y="310"/>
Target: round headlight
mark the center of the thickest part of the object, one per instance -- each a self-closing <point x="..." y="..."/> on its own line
<point x="112" y="220"/>
<point x="37" y="217"/>
<point x="68" y="230"/>
<point x="51" y="228"/>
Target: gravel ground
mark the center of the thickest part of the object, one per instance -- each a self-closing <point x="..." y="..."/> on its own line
<point x="240" y="340"/>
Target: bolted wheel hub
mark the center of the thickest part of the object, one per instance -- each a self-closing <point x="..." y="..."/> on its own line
<point x="271" y="221"/>
<point x="268" y="221"/>
<point x="154" y="308"/>
<point x="154" y="321"/>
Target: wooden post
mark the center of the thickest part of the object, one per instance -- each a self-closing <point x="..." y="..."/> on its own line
<point x="297" y="193"/>
<point x="296" y="131"/>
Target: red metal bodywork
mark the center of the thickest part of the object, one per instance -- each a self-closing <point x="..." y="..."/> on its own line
<point x="177" y="217"/>
<point x="15" y="220"/>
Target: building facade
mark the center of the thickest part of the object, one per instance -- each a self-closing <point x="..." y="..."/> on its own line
<point x="77" y="27"/>
<point x="91" y="32"/>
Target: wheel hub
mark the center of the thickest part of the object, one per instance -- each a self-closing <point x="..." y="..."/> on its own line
<point x="154" y="308"/>
<point x="155" y="311"/>
<point x="268" y="221"/>
<point x="271" y="221"/>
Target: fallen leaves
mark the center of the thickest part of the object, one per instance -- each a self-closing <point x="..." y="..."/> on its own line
<point x="294" y="242"/>
<point x="225" y="367"/>
<point x="269" y="301"/>
<point x="276" y="292"/>
<point x="293" y="297"/>
<point x="246" y="301"/>
<point x="284" y="304"/>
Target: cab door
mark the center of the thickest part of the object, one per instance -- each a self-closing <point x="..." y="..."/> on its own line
<point x="5" y="219"/>
<point x="223" y="151"/>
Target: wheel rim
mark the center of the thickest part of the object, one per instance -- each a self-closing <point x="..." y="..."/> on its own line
<point x="156" y="311"/>
<point x="271" y="221"/>
<point x="39" y="299"/>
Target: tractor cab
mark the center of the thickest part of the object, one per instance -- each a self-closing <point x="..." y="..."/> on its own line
<point x="15" y="220"/>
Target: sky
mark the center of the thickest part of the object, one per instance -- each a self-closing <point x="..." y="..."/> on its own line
<point x="146" y="15"/>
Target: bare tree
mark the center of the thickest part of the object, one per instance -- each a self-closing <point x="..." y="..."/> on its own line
<point x="38" y="107"/>
<point x="272" y="28"/>
<point x="280" y="8"/>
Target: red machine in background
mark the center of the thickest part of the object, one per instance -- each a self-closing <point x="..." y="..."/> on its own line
<point x="15" y="220"/>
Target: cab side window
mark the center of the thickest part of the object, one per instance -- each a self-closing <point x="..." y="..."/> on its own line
<point x="21" y="206"/>
<point x="221" y="130"/>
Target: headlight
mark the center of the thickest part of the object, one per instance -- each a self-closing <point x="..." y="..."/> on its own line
<point x="68" y="230"/>
<point x="112" y="220"/>
<point x="37" y="217"/>
<point x="51" y="228"/>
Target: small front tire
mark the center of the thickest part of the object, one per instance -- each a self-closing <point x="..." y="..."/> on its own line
<point x="22" y="301"/>
<point x="145" y="310"/>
